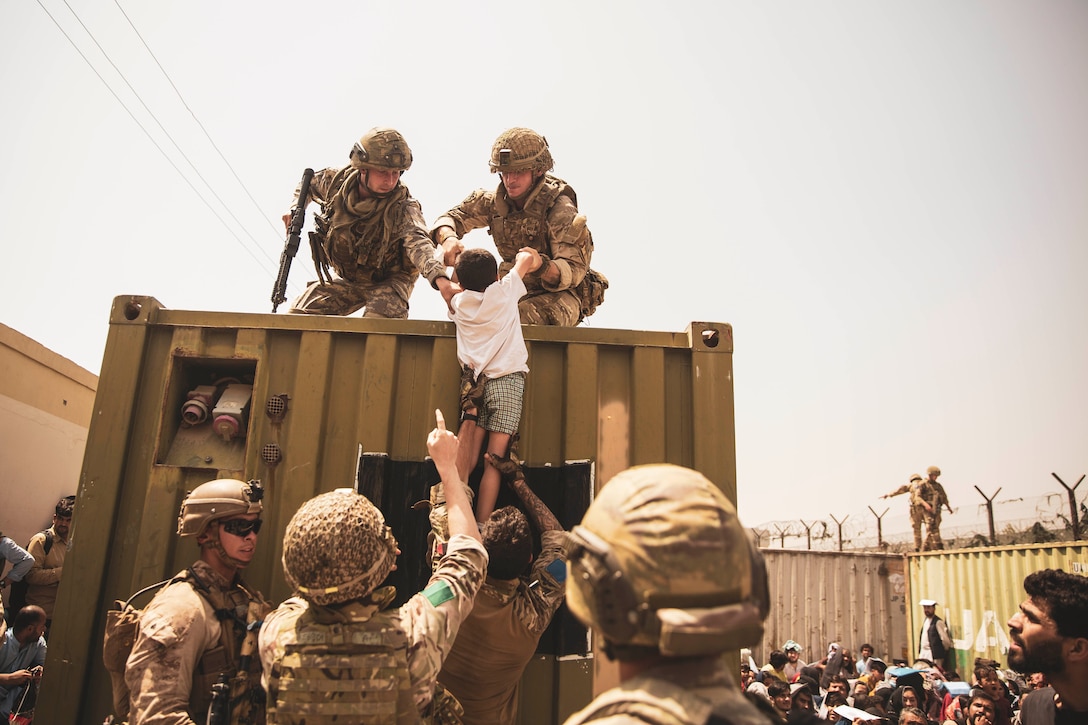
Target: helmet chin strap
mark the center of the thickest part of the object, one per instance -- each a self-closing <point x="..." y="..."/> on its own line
<point x="365" y="176"/>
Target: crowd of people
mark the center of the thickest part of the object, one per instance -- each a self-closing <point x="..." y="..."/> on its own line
<point x="1044" y="684"/>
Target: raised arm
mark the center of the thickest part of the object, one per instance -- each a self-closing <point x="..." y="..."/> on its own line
<point x="442" y="445"/>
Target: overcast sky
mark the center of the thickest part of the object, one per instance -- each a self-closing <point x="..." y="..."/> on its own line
<point x="887" y="200"/>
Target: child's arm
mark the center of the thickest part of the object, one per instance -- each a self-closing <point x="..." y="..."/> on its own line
<point x="528" y="260"/>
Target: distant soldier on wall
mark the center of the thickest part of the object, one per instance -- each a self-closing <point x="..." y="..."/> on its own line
<point x="937" y="499"/>
<point x="920" y="508"/>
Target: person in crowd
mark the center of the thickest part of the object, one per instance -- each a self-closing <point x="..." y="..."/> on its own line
<point x="781" y="697"/>
<point x="991" y="683"/>
<point x="512" y="608"/>
<point x="831" y="664"/>
<point x="980" y="709"/>
<point x="877" y="671"/>
<point x="49" y="549"/>
<point x="862" y="665"/>
<point x="22" y="656"/>
<point x="776" y="664"/>
<point x="1049" y="635"/>
<point x="794" y="663"/>
<point x="668" y="578"/>
<point x="912" y="716"/>
<point x="21" y="561"/>
<point x="934" y="639"/>
<point x="337" y="551"/>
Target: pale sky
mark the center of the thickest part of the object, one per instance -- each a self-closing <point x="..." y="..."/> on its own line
<point x="887" y="200"/>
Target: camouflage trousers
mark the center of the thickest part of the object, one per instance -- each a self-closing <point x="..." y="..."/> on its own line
<point x="562" y="309"/>
<point x="933" y="532"/>
<point x="386" y="299"/>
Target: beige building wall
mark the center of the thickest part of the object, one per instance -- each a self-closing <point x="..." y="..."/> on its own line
<point x="45" y="408"/>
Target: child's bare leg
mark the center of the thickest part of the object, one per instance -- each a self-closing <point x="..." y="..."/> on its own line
<point x="498" y="444"/>
<point x="470" y="439"/>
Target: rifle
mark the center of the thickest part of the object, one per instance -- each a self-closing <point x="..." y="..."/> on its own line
<point x="294" y="233"/>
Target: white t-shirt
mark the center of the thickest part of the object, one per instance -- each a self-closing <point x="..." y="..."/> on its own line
<point x="489" y="338"/>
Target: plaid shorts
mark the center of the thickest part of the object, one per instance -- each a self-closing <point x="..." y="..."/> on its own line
<point x="502" y="403"/>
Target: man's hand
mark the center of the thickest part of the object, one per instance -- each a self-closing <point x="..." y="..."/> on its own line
<point x="451" y="250"/>
<point x="534" y="255"/>
<point x="442" y="444"/>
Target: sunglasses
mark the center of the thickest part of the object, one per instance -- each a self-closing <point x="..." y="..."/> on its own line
<point x="242" y="527"/>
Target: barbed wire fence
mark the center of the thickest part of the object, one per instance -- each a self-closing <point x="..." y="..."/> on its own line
<point x="1058" y="515"/>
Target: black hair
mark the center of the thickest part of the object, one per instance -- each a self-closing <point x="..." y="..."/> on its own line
<point x="509" y="543"/>
<point x="476" y="269"/>
<point x="1065" y="598"/>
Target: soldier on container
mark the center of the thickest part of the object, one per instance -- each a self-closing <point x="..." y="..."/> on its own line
<point x="1050" y="635"/>
<point x="531" y="208"/>
<point x="665" y="574"/>
<point x="920" y="507"/>
<point x="937" y="499"/>
<point x="370" y="232"/>
<point x="335" y="650"/>
<point x="192" y="632"/>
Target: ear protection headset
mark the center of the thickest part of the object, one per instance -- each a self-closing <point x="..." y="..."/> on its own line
<point x="716" y="621"/>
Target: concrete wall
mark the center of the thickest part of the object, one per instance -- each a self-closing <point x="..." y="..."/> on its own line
<point x="45" y="409"/>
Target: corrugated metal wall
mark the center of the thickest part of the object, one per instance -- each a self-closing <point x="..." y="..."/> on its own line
<point x="977" y="590"/>
<point x="819" y="597"/>
<point x="611" y="397"/>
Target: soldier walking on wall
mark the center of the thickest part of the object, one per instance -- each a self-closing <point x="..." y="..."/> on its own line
<point x="937" y="499"/>
<point x="918" y="488"/>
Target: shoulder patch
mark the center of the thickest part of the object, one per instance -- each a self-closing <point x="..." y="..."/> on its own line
<point x="437" y="593"/>
<point x="558" y="570"/>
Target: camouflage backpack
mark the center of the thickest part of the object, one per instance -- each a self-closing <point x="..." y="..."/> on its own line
<point x="591" y="292"/>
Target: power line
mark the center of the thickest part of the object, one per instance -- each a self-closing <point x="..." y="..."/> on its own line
<point x="197" y="120"/>
<point x="151" y="138"/>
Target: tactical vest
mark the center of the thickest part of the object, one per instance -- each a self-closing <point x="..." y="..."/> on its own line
<point x="343" y="668"/>
<point x="351" y="249"/>
<point x="247" y="695"/>
<point x="513" y="229"/>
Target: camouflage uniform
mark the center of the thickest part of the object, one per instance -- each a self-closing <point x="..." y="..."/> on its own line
<point x="548" y="221"/>
<point x="662" y="569"/>
<point x="691" y="692"/>
<point x="499" y="638"/>
<point x="179" y="654"/>
<point x="938" y="499"/>
<point x="376" y="245"/>
<point x="335" y="650"/>
<point x="919" y="490"/>
<point x="429" y="620"/>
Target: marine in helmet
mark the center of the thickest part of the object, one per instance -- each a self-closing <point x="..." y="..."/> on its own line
<point x="338" y="626"/>
<point x="920" y="507"/>
<point x="667" y="577"/>
<point x="531" y="208"/>
<point x="937" y="499"/>
<point x="370" y="241"/>
<point x="193" y="631"/>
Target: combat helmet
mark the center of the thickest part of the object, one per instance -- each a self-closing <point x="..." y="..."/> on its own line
<point x="915" y="477"/>
<point x="337" y="548"/>
<point x="218" y="499"/>
<point x="520" y="148"/>
<point x="933" y="470"/>
<point x="661" y="563"/>
<point x="381" y="148"/>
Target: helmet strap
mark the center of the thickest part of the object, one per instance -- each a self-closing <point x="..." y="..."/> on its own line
<point x="213" y="543"/>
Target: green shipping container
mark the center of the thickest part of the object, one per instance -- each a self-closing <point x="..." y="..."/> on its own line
<point x="978" y="590"/>
<point x="324" y="402"/>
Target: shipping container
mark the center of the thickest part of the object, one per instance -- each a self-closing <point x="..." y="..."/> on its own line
<point x="978" y="590"/>
<point x="819" y="597"/>
<point x="318" y="403"/>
